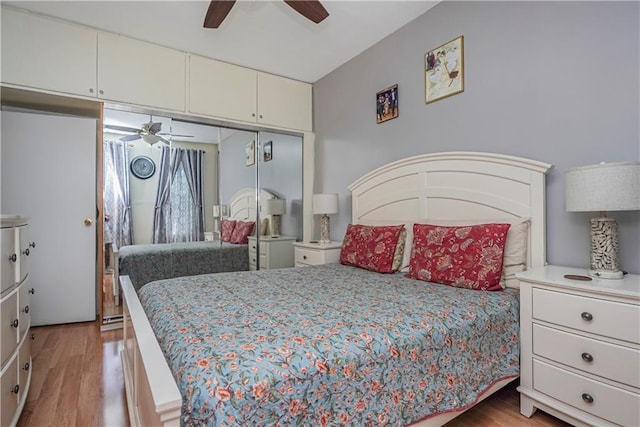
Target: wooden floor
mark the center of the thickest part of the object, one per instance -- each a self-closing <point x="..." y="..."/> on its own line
<point x="77" y="381"/>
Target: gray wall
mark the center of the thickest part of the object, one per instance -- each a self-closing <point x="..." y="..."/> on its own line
<point x="551" y="81"/>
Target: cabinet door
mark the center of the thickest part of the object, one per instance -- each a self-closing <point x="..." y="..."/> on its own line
<point x="284" y="102"/>
<point x="140" y="73"/>
<point x="221" y="90"/>
<point x="47" y="54"/>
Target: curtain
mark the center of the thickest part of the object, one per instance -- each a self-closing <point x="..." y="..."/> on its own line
<point x="179" y="211"/>
<point x="117" y="202"/>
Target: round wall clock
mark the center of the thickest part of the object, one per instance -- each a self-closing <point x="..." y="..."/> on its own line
<point x="142" y="167"/>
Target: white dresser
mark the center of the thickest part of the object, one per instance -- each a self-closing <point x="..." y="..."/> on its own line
<point x="275" y="252"/>
<point x="15" y="340"/>
<point x="580" y="347"/>
<point x="308" y="253"/>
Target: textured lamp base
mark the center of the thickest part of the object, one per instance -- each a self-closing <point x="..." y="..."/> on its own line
<point x="604" y="249"/>
<point x="275" y="225"/>
<point x="324" y="229"/>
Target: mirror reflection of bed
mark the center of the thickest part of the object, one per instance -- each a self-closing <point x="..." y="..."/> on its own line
<point x="137" y="214"/>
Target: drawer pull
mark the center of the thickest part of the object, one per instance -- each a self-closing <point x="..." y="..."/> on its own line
<point x="587" y="398"/>
<point x="304" y="257"/>
<point x="587" y="316"/>
<point x="32" y="244"/>
<point x="26" y="366"/>
<point x="15" y="323"/>
<point x="587" y="357"/>
<point x="25" y="309"/>
<point x="32" y="291"/>
<point x="26" y="252"/>
<point x="15" y="389"/>
<point x="13" y="258"/>
<point x="33" y="336"/>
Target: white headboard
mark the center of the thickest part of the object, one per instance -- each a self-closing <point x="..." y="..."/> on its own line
<point x="243" y="203"/>
<point x="456" y="185"/>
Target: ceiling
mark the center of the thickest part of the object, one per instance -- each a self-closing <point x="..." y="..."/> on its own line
<point x="264" y="35"/>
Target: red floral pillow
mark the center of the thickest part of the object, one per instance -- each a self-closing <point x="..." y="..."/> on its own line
<point x="373" y="248"/>
<point x="242" y="231"/>
<point x="466" y="257"/>
<point x="227" y="229"/>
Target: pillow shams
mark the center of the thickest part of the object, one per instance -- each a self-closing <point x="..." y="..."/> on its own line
<point x="467" y="256"/>
<point x="374" y="248"/>
<point x="227" y="228"/>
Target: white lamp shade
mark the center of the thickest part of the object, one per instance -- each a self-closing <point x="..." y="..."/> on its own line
<point x="274" y="207"/>
<point x="216" y="210"/>
<point x="603" y="187"/>
<point x="326" y="203"/>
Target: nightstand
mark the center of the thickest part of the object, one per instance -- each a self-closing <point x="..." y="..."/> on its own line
<point x="316" y="253"/>
<point x="580" y="347"/>
<point x="275" y="252"/>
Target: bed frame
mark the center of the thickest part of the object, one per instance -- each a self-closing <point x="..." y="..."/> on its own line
<point x="454" y="185"/>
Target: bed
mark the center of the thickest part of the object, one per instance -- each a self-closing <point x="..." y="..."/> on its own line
<point x="148" y="262"/>
<point x="382" y="354"/>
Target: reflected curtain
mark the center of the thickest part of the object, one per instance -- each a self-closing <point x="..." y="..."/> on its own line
<point x="117" y="201"/>
<point x="179" y="212"/>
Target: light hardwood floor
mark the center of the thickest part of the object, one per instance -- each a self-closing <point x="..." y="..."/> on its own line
<point x="77" y="381"/>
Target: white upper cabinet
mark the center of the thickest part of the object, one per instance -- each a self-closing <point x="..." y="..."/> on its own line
<point x="221" y="90"/>
<point x="284" y="102"/>
<point x="48" y="54"/>
<point x="142" y="73"/>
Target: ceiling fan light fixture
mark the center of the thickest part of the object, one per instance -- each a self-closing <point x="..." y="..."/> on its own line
<point x="150" y="139"/>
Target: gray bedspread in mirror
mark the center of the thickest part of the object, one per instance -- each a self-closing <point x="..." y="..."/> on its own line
<point x="146" y="263"/>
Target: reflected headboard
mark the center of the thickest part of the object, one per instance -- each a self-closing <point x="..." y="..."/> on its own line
<point x="456" y="185"/>
<point x="242" y="204"/>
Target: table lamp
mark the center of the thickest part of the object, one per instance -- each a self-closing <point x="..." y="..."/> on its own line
<point x="604" y="187"/>
<point x="325" y="204"/>
<point x="275" y="208"/>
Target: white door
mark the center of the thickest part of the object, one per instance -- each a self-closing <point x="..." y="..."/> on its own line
<point x="48" y="174"/>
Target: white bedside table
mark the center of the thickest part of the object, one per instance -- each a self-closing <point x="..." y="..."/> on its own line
<point x="580" y="347"/>
<point x="275" y="252"/>
<point x="307" y="253"/>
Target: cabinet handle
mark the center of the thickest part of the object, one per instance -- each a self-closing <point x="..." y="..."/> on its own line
<point x="587" y="357"/>
<point x="587" y="398"/>
<point x="253" y="247"/>
<point x="26" y="366"/>
<point x="260" y="115"/>
<point x="26" y="252"/>
<point x="33" y="336"/>
<point x="32" y="291"/>
<point x="32" y="244"/>
<point x="90" y="90"/>
<point x="101" y="92"/>
<point x="15" y="323"/>
<point x="13" y="258"/>
<point x="25" y="309"/>
<point x="253" y="114"/>
<point x="15" y="389"/>
<point x="304" y="257"/>
<point x="587" y="316"/>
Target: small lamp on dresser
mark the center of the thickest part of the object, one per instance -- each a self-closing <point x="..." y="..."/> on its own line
<point x="275" y="208"/>
<point x="604" y="187"/>
<point x="325" y="204"/>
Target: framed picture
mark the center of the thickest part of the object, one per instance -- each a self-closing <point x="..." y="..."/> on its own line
<point x="387" y="104"/>
<point x="267" y="151"/>
<point x="444" y="70"/>
<point x="250" y="153"/>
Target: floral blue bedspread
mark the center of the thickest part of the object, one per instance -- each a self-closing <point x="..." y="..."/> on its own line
<point x="329" y="345"/>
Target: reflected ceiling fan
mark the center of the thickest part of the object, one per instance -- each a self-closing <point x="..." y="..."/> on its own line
<point x="219" y="9"/>
<point x="148" y="132"/>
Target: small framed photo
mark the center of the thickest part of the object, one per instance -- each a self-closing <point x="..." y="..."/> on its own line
<point x="250" y="153"/>
<point x="387" y="104"/>
<point x="444" y="70"/>
<point x="267" y="151"/>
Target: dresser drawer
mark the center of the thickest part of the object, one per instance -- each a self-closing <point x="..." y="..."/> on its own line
<point x="8" y="267"/>
<point x="9" y="332"/>
<point x="592" y="315"/>
<point x="610" y="403"/>
<point x="8" y="395"/>
<point x="615" y="362"/>
<point x="309" y="256"/>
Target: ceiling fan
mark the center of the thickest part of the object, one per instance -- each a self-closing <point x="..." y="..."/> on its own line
<point x="148" y="132"/>
<point x="219" y="9"/>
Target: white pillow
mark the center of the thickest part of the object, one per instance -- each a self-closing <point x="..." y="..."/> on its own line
<point x="515" y="250"/>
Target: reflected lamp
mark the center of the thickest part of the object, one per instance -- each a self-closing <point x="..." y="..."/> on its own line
<point x="275" y="208"/>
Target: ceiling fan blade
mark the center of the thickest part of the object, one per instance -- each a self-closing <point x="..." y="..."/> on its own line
<point x="162" y="139"/>
<point x="310" y="9"/>
<point x="174" y="135"/>
<point x="122" y="128"/>
<point x="155" y="127"/>
<point x="218" y="10"/>
<point x="130" y="138"/>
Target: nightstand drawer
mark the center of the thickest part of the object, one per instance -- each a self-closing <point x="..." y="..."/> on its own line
<point x="592" y="315"/>
<point x="309" y="256"/>
<point x="618" y="363"/>
<point x="609" y="402"/>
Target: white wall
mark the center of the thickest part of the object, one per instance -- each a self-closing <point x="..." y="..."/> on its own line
<point x="551" y="81"/>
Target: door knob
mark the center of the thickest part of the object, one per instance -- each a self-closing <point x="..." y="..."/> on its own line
<point x="88" y="221"/>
